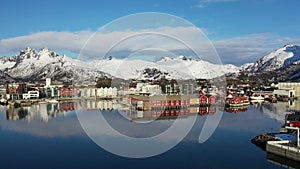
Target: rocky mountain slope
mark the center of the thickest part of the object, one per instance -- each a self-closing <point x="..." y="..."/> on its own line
<point x="283" y="64"/>
<point x="32" y="65"/>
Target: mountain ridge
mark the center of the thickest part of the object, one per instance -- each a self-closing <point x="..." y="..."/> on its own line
<point x="32" y="65"/>
<point x="282" y="64"/>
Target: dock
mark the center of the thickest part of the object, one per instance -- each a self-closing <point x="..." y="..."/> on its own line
<point x="284" y="148"/>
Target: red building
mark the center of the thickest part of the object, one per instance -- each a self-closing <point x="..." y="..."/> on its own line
<point x="212" y="99"/>
<point x="68" y="92"/>
<point x="68" y="106"/>
<point x="203" y="100"/>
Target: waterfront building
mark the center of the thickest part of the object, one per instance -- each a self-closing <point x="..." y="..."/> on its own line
<point x="101" y="92"/>
<point x="148" y="89"/>
<point x="52" y="88"/>
<point x="31" y="95"/>
<point x="89" y="92"/>
<point x="2" y="91"/>
<point x="68" y="92"/>
<point x="157" y="102"/>
<point x="285" y="92"/>
<point x="15" y="90"/>
<point x="290" y="89"/>
<point x="151" y="89"/>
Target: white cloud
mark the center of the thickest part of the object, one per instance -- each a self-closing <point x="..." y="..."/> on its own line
<point x="71" y="41"/>
<point x="249" y="48"/>
<point x="122" y="43"/>
<point x="204" y="3"/>
<point x="236" y="50"/>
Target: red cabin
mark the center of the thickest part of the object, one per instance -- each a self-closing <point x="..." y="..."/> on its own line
<point x="212" y="110"/>
<point x="212" y="100"/>
<point x="203" y="100"/>
<point x="203" y="111"/>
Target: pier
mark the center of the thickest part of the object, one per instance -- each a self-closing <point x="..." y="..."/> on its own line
<point x="284" y="148"/>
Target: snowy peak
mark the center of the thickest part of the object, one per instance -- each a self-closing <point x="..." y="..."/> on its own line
<point x="27" y="54"/>
<point x="31" y="53"/>
<point x="179" y="58"/>
<point x="277" y="59"/>
<point x="32" y="65"/>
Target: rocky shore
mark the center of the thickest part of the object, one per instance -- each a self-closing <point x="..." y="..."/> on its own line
<point x="261" y="140"/>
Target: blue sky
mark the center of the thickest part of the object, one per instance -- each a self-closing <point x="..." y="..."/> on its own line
<point x="241" y="30"/>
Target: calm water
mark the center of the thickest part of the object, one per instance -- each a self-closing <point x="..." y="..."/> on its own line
<point x="50" y="136"/>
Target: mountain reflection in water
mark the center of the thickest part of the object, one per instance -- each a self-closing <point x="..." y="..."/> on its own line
<point x="57" y="126"/>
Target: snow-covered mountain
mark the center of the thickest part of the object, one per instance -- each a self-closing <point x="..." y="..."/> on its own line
<point x="32" y="65"/>
<point x="5" y="78"/>
<point x="282" y="64"/>
<point x="172" y="68"/>
<point x="278" y="59"/>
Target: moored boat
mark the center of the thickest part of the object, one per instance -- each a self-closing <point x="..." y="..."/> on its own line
<point x="256" y="96"/>
<point x="3" y="102"/>
<point x="52" y="101"/>
<point x="236" y="101"/>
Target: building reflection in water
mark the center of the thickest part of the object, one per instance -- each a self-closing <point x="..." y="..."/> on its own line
<point x="166" y="114"/>
<point x="46" y="112"/>
<point x="99" y="104"/>
<point x="283" y="162"/>
<point x="236" y="109"/>
<point x="278" y="112"/>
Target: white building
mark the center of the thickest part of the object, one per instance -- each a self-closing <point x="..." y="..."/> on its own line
<point x="290" y="86"/>
<point x="152" y="89"/>
<point x="100" y="92"/>
<point x="284" y="92"/>
<point x="31" y="95"/>
<point x="52" y="88"/>
<point x="88" y="92"/>
<point x="139" y="86"/>
<point x="114" y="92"/>
<point x="146" y="88"/>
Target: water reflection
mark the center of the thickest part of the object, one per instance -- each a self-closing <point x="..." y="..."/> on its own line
<point x="278" y="110"/>
<point x="167" y="114"/>
<point x="59" y="121"/>
<point x="61" y="118"/>
<point x="236" y="109"/>
<point x="44" y="112"/>
<point x="283" y="162"/>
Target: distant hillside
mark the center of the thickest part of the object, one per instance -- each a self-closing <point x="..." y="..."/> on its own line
<point x="32" y="65"/>
<point x="282" y="64"/>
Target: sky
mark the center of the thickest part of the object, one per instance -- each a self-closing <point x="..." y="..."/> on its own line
<point x="242" y="31"/>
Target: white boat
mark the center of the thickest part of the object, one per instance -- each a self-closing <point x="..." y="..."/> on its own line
<point x="52" y="101"/>
<point x="3" y="102"/>
<point x="257" y="96"/>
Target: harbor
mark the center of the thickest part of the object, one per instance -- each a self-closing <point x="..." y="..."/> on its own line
<point x="286" y="143"/>
<point x="54" y="124"/>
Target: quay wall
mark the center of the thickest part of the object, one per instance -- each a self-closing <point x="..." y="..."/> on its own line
<point x="277" y="147"/>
